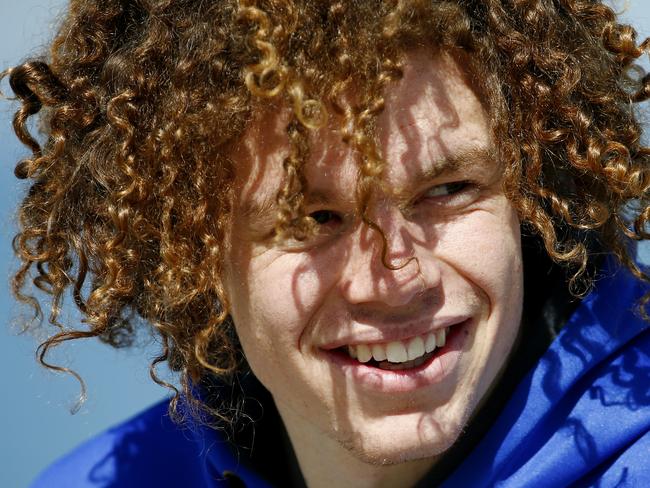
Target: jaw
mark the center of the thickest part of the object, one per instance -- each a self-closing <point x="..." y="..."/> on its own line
<point x="347" y="457"/>
<point x="359" y="407"/>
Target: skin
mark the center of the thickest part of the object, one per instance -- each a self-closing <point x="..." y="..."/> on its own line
<point x="293" y="302"/>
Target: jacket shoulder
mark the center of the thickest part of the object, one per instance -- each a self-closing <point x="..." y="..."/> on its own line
<point x="138" y="452"/>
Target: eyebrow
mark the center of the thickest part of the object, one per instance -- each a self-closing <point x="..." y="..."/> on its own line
<point x="470" y="157"/>
<point x="257" y="211"/>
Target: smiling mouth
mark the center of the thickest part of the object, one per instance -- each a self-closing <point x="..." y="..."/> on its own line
<point x="398" y="355"/>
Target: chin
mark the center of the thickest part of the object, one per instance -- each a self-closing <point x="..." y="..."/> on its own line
<point x="402" y="440"/>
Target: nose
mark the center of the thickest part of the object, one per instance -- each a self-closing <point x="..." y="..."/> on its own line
<point x="388" y="272"/>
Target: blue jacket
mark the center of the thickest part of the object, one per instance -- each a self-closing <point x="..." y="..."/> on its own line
<point x="581" y="417"/>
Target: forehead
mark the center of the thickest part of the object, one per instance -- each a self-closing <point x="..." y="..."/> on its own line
<point x="431" y="115"/>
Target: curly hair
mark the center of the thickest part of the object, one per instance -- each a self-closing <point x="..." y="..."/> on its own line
<point x="142" y="101"/>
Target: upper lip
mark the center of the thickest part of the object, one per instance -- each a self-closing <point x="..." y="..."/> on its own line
<point x="371" y="335"/>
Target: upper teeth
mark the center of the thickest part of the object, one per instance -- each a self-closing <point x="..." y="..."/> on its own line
<point x="399" y="351"/>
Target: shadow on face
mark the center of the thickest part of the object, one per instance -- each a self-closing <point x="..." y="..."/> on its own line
<point x="452" y="245"/>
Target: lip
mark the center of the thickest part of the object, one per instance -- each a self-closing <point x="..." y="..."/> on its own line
<point x="435" y="370"/>
<point x="399" y="333"/>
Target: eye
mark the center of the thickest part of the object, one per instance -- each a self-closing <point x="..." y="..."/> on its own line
<point x="328" y="224"/>
<point x="446" y="189"/>
<point x="449" y="196"/>
<point x="324" y="217"/>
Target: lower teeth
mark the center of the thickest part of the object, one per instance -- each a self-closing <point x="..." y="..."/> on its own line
<point x="407" y="365"/>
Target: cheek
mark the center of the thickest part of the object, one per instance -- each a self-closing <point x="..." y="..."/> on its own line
<point x="485" y="247"/>
<point x="272" y="308"/>
<point x="282" y="292"/>
<point x="486" y="251"/>
<point x="265" y="319"/>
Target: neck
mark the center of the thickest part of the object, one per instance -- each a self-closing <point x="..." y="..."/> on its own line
<point x="324" y="462"/>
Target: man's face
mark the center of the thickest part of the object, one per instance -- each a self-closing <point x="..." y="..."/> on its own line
<point x="302" y="309"/>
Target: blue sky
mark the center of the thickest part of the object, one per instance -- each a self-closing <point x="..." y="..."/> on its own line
<point x="35" y="418"/>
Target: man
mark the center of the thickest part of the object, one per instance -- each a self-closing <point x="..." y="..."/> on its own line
<point x="319" y="208"/>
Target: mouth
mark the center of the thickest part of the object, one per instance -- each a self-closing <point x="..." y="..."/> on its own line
<point x="405" y="365"/>
<point x="399" y="355"/>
